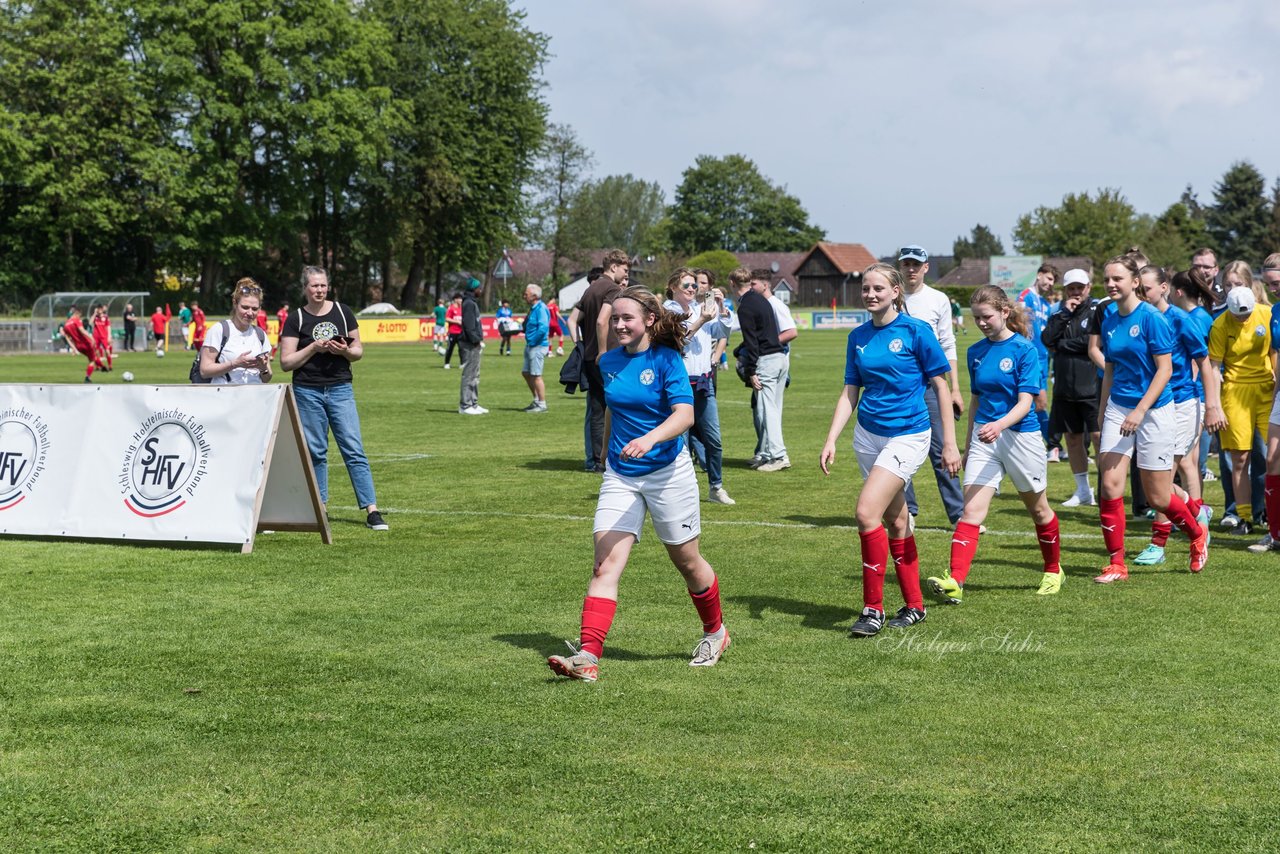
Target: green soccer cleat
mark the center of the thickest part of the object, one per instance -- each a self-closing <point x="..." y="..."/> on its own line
<point x="946" y="590"/>
<point x="1150" y="556"/>
<point x="1051" y="583"/>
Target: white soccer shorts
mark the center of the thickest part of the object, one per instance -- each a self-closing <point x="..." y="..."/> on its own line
<point x="1189" y="416"/>
<point x="902" y="456"/>
<point x="670" y="494"/>
<point x="1153" y="442"/>
<point x="1019" y="455"/>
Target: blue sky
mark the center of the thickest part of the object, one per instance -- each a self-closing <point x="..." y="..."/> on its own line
<point x="909" y="122"/>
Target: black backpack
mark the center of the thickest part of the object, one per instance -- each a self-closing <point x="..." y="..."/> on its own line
<point x="195" y="375"/>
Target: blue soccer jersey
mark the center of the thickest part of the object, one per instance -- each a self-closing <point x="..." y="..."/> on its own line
<point x="891" y="364"/>
<point x="1189" y="344"/>
<point x="1275" y="326"/>
<point x="640" y="390"/>
<point x="1204" y="322"/>
<point x="1038" y="311"/>
<point x="998" y="372"/>
<point x="1130" y="343"/>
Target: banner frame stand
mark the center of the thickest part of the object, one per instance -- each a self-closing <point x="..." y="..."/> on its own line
<point x="288" y="403"/>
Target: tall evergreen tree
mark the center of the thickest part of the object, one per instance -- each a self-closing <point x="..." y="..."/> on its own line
<point x="1238" y="217"/>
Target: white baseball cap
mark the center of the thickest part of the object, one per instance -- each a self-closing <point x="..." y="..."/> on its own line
<point x="1240" y="302"/>
<point x="1075" y="276"/>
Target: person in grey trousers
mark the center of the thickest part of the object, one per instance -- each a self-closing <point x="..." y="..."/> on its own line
<point x="469" y="346"/>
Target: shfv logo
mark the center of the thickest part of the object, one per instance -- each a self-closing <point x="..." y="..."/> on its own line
<point x="24" y="451"/>
<point x="167" y="458"/>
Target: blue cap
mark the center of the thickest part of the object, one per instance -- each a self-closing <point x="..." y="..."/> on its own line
<point x="913" y="253"/>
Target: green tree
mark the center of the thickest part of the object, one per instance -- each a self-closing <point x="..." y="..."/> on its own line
<point x="719" y="261"/>
<point x="1271" y="241"/>
<point x="619" y="210"/>
<point x="1174" y="236"/>
<point x="725" y="203"/>
<point x="1237" y="220"/>
<point x="1097" y="227"/>
<point x="76" y="138"/>
<point x="468" y="72"/>
<point x="981" y="243"/>
<point x="557" y="182"/>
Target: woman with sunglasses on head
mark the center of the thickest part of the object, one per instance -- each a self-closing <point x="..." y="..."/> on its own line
<point x="1004" y="438"/>
<point x="702" y="329"/>
<point x="650" y="408"/>
<point x="1192" y="379"/>
<point x="888" y="364"/>
<point x="236" y="351"/>
<point x="1138" y="417"/>
<point x="318" y="344"/>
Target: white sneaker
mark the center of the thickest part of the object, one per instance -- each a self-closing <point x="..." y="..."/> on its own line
<point x="719" y="496"/>
<point x="1264" y="545"/>
<point x="775" y="465"/>
<point x="1229" y="521"/>
<point x="1077" y="501"/>
<point x="473" y="410"/>
<point x="1053" y="456"/>
<point x="559" y="351"/>
<point x="447" y="366"/>
<point x="1209" y="476"/>
<point x="710" y="648"/>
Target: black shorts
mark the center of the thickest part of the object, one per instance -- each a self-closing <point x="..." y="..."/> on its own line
<point x="1073" y="416"/>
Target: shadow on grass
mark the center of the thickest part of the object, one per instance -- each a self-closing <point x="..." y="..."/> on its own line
<point x="545" y="643"/>
<point x="823" y="521"/>
<point x="556" y="465"/>
<point x="812" y="616"/>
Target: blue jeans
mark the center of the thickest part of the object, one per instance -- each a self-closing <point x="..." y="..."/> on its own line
<point x="334" y="407"/>
<point x="706" y="428"/>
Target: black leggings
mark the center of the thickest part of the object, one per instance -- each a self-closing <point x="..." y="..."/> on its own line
<point x="454" y="338"/>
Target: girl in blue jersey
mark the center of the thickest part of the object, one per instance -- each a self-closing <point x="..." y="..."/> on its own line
<point x="1190" y="363"/>
<point x="1271" y="540"/>
<point x="650" y="405"/>
<point x="888" y="363"/>
<point x="1138" y="417"/>
<point x="1004" y="438"/>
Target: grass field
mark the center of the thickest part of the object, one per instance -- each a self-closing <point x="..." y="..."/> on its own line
<point x="390" y="692"/>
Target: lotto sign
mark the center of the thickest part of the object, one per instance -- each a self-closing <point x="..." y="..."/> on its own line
<point x="188" y="463"/>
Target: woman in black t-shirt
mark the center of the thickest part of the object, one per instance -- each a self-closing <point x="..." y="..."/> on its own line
<point x="318" y="343"/>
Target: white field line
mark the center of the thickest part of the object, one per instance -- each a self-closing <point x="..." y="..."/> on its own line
<point x="1030" y="533"/>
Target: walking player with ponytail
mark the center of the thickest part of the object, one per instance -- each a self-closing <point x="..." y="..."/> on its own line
<point x="650" y="405"/>
<point x="1004" y="438"/>
<point x="1138" y="417"/>
<point x="888" y="364"/>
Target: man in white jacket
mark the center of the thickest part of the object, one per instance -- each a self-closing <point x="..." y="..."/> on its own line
<point x="933" y="307"/>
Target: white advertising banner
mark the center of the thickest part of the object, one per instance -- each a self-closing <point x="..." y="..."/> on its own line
<point x="170" y="463"/>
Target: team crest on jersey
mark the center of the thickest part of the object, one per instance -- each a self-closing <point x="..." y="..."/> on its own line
<point x="1084" y="323"/>
<point x="895" y="346"/>
<point x="167" y="458"/>
<point x="1006" y="365"/>
<point x="24" y="451"/>
<point x="324" y="331"/>
<point x="646" y="376"/>
<point x="1260" y="330"/>
<point x="1134" y="330"/>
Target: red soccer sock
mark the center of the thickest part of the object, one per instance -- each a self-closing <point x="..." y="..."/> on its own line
<point x="1194" y="505"/>
<point x="1050" y="548"/>
<point x="964" y="545"/>
<point x="875" y="554"/>
<point x="708" y="604"/>
<point x="1181" y="516"/>
<point x="1112" y="512"/>
<point x="1273" y="504"/>
<point x="906" y="562"/>
<point x="1160" y="532"/>
<point x="597" y="617"/>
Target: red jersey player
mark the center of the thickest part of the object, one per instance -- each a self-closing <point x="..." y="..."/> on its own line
<point x="102" y="334"/>
<point x="73" y="330"/>
<point x="197" y="319"/>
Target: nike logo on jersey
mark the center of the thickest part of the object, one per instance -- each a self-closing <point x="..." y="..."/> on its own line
<point x="874" y="567"/>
